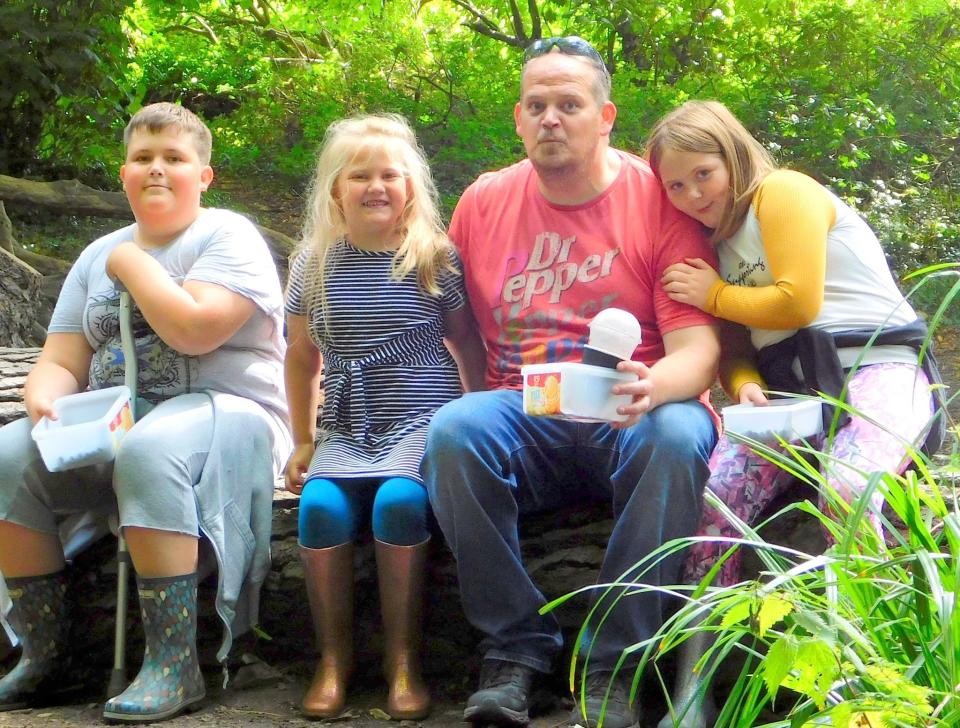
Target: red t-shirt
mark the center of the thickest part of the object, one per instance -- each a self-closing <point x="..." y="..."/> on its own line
<point x="537" y="272"/>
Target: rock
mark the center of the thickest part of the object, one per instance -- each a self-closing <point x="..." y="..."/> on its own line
<point x="563" y="552"/>
<point x="15" y="364"/>
<point x="19" y="293"/>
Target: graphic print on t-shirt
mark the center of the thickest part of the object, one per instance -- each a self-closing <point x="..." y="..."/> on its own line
<point x="546" y="300"/>
<point x="744" y="275"/>
<point x="162" y="372"/>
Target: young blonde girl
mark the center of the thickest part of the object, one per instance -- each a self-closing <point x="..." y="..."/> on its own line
<point x="373" y="292"/>
<point x="804" y="285"/>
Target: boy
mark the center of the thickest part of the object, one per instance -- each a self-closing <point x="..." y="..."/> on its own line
<point x="207" y="329"/>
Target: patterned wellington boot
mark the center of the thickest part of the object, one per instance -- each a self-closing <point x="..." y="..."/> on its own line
<point x="169" y="680"/>
<point x="39" y="618"/>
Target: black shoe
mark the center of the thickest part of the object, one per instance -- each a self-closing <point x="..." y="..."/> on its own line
<point x="618" y="713"/>
<point x="502" y="697"/>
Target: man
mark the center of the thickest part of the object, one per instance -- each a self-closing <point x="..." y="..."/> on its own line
<point x="546" y="243"/>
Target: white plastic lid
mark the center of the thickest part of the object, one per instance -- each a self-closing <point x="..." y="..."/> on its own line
<point x="614" y="331"/>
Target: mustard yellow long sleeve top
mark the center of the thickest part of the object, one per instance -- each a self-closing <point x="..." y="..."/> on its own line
<point x="794" y="215"/>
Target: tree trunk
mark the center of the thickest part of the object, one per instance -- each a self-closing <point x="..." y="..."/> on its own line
<point x="19" y="294"/>
<point x="67" y="197"/>
<point x="71" y="197"/>
<point x="6" y="231"/>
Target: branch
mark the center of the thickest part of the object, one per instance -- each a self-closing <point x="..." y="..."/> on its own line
<point x="260" y="12"/>
<point x="536" y="29"/>
<point x="476" y="27"/>
<point x="299" y="43"/>
<point x="481" y="18"/>
<point x="70" y="197"/>
<point x="6" y="230"/>
<point x="44" y="264"/>
<point x="205" y="31"/>
<point x="518" y="30"/>
<point x="200" y="19"/>
<point x="298" y="59"/>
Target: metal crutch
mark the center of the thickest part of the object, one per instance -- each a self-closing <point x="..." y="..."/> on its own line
<point x="118" y="676"/>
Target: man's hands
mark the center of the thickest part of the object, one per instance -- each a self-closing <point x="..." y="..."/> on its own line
<point x="641" y="391"/>
<point x="688" y="367"/>
<point x="690" y="282"/>
<point x="296" y="471"/>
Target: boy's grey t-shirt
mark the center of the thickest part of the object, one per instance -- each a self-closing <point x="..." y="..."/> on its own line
<point x="220" y="247"/>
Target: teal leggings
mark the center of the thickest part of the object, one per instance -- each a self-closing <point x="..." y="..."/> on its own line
<point x="330" y="511"/>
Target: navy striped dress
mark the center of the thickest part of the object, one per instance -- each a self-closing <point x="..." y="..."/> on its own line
<point x="386" y="369"/>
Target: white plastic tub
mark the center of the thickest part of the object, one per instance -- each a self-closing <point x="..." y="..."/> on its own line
<point x="574" y="391"/>
<point x="791" y="419"/>
<point x="88" y="430"/>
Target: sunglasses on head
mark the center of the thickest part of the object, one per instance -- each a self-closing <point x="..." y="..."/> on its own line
<point x="571" y="45"/>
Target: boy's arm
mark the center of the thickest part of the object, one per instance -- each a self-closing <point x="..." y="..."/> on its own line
<point x="63" y="368"/>
<point x="195" y="318"/>
<point x="462" y="338"/>
<point x="301" y="373"/>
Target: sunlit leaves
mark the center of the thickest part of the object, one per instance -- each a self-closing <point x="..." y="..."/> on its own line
<point x="853" y="92"/>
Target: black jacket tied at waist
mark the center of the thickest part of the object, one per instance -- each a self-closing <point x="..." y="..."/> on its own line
<point x="816" y="350"/>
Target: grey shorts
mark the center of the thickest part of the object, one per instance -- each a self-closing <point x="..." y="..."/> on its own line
<point x="151" y="480"/>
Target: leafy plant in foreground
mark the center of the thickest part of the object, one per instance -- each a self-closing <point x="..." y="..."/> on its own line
<point x="866" y="634"/>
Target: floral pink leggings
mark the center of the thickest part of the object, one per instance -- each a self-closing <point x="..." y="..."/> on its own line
<point x="897" y="396"/>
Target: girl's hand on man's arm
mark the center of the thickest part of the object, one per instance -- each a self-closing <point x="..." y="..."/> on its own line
<point x="690" y="282"/>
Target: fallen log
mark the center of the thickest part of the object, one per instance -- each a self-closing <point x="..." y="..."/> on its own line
<point x="68" y="197"/>
<point x="72" y="197"/>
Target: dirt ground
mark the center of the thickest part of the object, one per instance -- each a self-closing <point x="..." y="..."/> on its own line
<point x="273" y="704"/>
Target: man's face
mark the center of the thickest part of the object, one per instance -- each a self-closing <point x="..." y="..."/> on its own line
<point x="558" y="117"/>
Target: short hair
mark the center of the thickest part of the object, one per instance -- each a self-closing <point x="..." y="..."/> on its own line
<point x="708" y="127"/>
<point x="572" y="45"/>
<point x="424" y="246"/>
<point x="157" y="117"/>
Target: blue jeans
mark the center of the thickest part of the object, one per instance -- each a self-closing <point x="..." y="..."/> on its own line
<point x="487" y="463"/>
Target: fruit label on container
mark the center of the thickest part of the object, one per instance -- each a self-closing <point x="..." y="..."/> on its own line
<point x="541" y="394"/>
<point x="121" y="424"/>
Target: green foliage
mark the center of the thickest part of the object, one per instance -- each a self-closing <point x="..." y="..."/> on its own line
<point x="865" y="634"/>
<point x="62" y="237"/>
<point x="862" y="94"/>
<point x="59" y="65"/>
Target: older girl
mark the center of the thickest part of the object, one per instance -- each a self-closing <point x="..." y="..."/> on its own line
<point x="805" y="286"/>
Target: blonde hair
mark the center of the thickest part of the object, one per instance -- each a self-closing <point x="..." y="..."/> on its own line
<point x="708" y="127"/>
<point x="157" y="117"/>
<point x="424" y="246"/>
